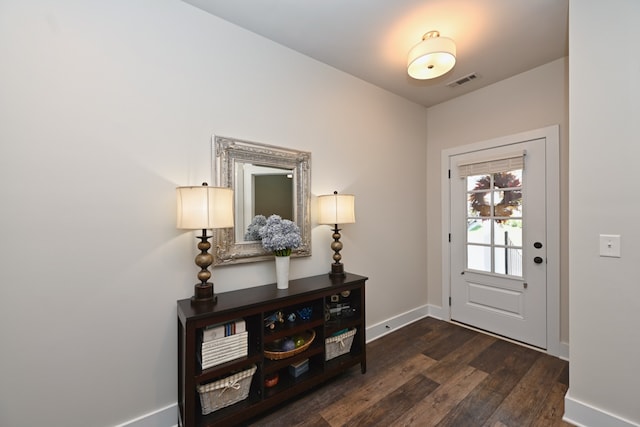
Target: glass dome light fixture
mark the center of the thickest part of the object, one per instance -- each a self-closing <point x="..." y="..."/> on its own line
<point x="432" y="57"/>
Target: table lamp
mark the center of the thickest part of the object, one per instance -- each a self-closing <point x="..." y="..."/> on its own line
<point x="202" y="208"/>
<point x="334" y="209"/>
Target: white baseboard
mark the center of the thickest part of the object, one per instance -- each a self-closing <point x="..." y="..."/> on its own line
<point x="584" y="415"/>
<point x="167" y="417"/>
<point x="563" y="350"/>
<point x="438" y="312"/>
<point x="385" y="327"/>
<point x="163" y="417"/>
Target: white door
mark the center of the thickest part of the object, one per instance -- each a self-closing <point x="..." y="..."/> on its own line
<point x="498" y="247"/>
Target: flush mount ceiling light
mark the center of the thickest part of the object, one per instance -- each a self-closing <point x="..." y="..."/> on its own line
<point x="432" y="57"/>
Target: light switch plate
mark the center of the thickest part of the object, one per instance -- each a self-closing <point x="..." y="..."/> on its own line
<point x="610" y="245"/>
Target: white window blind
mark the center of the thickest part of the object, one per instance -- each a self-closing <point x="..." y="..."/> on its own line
<point x="503" y="163"/>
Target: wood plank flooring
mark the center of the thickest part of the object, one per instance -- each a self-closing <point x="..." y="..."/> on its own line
<point x="434" y="373"/>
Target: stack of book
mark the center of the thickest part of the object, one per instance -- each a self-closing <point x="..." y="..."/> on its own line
<point x="223" y="342"/>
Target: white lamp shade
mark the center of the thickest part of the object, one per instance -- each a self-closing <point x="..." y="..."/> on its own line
<point x="204" y="207"/>
<point x="336" y="209"/>
<point x="432" y="57"/>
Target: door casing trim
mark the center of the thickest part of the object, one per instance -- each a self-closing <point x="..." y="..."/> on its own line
<point x="551" y="134"/>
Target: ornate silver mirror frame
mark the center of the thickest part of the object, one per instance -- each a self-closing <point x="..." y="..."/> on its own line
<point x="229" y="156"/>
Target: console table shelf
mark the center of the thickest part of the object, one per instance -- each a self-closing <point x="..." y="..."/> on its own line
<point x="337" y="305"/>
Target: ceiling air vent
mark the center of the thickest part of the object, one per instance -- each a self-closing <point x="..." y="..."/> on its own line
<point x="463" y="80"/>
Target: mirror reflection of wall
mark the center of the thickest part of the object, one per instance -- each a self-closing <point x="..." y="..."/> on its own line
<point x="264" y="191"/>
<point x="273" y="195"/>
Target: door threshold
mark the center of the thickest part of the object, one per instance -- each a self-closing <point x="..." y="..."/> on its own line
<point x="502" y="337"/>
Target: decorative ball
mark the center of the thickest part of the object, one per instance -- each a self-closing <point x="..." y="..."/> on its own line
<point x="299" y="342"/>
<point x="288" y="345"/>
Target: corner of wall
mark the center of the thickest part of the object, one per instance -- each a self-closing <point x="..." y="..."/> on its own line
<point x="387" y="326"/>
<point x="163" y="417"/>
<point x="583" y="414"/>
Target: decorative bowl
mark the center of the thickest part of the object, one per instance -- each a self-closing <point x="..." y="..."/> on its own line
<point x="273" y="350"/>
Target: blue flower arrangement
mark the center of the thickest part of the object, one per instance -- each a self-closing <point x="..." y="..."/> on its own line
<point x="280" y="235"/>
<point x="253" y="231"/>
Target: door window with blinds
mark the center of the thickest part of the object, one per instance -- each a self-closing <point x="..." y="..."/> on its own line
<point x="494" y="214"/>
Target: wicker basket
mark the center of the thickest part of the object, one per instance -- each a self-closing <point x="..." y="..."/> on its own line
<point x="309" y="336"/>
<point x="226" y="391"/>
<point x="339" y="345"/>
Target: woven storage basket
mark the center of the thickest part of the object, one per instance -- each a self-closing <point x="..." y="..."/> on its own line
<point x="338" y="345"/>
<point x="226" y="391"/>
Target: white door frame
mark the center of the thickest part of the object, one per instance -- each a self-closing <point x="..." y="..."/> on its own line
<point x="551" y="135"/>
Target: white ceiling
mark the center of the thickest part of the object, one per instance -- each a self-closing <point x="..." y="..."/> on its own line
<point x="370" y="39"/>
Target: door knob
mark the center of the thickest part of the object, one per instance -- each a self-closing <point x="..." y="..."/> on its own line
<point x="538" y="260"/>
<point x="537" y="245"/>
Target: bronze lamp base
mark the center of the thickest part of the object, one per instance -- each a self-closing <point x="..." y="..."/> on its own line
<point x="203" y="292"/>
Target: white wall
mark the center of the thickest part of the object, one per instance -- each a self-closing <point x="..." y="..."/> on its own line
<point x="531" y="100"/>
<point x="106" y="107"/>
<point x="605" y="296"/>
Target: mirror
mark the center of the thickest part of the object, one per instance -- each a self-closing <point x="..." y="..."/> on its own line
<point x="266" y="180"/>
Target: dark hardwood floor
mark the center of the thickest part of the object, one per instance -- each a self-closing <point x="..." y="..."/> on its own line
<point x="434" y="373"/>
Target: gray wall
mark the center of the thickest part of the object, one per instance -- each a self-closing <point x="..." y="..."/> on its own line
<point x="605" y="296"/>
<point x="105" y="108"/>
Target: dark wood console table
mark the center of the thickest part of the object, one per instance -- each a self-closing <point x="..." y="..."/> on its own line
<point x="336" y="305"/>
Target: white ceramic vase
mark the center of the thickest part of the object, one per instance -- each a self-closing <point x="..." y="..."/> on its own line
<point x="282" y="271"/>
